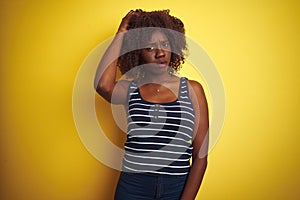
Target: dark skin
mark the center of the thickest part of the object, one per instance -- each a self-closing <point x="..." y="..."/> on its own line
<point x="157" y="53"/>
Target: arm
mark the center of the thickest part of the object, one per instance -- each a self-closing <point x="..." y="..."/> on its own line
<point x="200" y="142"/>
<point x="107" y="69"/>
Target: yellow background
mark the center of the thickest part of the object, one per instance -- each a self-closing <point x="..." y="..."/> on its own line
<point x="254" y="44"/>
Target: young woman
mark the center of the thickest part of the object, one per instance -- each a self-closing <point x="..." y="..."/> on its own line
<point x="167" y="115"/>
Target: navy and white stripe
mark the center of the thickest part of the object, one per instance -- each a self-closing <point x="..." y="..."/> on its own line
<point x="159" y="136"/>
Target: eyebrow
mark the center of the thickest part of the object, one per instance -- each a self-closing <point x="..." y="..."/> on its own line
<point x="155" y="42"/>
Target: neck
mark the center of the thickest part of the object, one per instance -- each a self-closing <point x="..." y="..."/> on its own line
<point x="161" y="78"/>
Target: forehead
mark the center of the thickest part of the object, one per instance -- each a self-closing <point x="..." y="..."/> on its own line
<point x="157" y="36"/>
<point x="152" y="36"/>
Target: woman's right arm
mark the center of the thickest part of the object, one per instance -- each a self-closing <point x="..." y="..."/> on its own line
<point x="106" y="84"/>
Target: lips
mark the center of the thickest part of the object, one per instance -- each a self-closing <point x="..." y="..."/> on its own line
<point x="162" y="64"/>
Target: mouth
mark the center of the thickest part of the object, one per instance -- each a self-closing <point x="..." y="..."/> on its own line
<point x="162" y="64"/>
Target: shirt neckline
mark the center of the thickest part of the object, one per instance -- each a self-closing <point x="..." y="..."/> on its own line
<point x="162" y="103"/>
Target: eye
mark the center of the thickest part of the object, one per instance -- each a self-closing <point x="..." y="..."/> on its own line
<point x="165" y="44"/>
<point x="150" y="48"/>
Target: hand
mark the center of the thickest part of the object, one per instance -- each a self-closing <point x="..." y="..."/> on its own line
<point x="124" y="24"/>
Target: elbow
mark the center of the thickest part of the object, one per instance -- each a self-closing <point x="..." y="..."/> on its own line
<point x="101" y="88"/>
<point x="201" y="161"/>
<point x="203" y="164"/>
<point x="105" y="90"/>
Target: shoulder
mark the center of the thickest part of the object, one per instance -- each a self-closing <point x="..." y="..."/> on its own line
<point x="196" y="91"/>
<point x="195" y="86"/>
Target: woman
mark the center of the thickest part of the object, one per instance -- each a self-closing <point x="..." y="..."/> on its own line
<point x="167" y="115"/>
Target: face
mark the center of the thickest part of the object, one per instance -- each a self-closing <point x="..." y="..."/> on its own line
<point x="157" y="53"/>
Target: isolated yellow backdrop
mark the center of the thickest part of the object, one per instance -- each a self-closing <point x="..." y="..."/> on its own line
<point x="254" y="44"/>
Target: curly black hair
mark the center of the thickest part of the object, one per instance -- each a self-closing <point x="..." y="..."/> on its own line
<point x="140" y="27"/>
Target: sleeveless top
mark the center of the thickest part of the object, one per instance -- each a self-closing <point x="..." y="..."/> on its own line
<point x="159" y="135"/>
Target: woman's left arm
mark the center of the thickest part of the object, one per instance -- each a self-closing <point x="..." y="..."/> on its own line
<point x="200" y="141"/>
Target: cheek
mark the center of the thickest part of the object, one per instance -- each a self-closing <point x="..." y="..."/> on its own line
<point x="146" y="56"/>
<point x="169" y="54"/>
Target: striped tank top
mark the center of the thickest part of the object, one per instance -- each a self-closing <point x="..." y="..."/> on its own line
<point x="159" y="135"/>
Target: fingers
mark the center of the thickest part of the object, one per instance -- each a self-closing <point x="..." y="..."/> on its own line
<point x="124" y="24"/>
<point x="129" y="14"/>
<point x="134" y="12"/>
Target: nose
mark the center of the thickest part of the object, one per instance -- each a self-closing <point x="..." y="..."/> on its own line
<point x="159" y="52"/>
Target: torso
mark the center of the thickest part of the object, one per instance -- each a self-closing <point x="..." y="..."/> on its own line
<point x="160" y="129"/>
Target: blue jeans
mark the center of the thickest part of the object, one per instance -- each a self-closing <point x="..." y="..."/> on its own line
<point x="140" y="186"/>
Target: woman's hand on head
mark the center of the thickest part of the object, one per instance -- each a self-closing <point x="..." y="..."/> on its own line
<point x="124" y="24"/>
